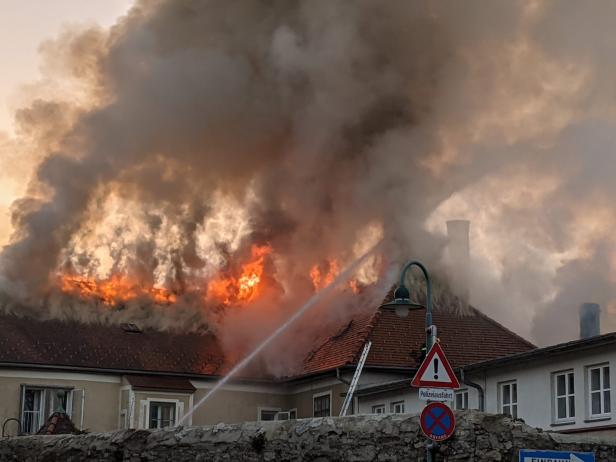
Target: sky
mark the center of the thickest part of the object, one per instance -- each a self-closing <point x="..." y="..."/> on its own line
<point x="24" y="25"/>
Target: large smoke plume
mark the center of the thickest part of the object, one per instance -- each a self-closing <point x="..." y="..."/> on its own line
<point x="169" y="144"/>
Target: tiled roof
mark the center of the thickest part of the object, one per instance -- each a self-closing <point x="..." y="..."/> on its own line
<point x="397" y="342"/>
<point x="598" y="341"/>
<point x="466" y="339"/>
<point x="160" y="383"/>
<point x="341" y="348"/>
<point x="72" y="344"/>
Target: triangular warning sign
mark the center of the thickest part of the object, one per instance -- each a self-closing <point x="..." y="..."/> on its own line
<point x="435" y="371"/>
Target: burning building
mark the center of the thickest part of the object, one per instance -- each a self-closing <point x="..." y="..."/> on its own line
<point x="157" y="376"/>
<point x="201" y="166"/>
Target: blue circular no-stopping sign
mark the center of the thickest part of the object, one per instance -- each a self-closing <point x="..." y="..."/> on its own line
<point x="437" y="421"/>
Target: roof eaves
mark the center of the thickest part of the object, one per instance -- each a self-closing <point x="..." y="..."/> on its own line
<point x="382" y="387"/>
<point x="101" y="371"/>
<point x="560" y="348"/>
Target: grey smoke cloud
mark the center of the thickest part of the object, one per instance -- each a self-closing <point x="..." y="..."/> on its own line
<point x="320" y="119"/>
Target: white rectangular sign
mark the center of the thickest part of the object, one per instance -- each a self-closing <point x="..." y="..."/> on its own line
<point x="436" y="394"/>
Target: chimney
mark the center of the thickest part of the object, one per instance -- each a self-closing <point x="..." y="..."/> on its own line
<point x="590" y="320"/>
<point x="459" y="256"/>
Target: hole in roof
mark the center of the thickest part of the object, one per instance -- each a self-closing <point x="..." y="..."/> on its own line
<point x="130" y="327"/>
<point x="342" y="331"/>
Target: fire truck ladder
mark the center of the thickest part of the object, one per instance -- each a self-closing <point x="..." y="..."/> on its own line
<point x="353" y="386"/>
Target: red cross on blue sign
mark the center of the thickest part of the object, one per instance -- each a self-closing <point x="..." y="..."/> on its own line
<point x="437" y="421"/>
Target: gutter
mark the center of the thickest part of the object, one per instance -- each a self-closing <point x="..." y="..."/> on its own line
<point x="479" y="388"/>
<point x="573" y="346"/>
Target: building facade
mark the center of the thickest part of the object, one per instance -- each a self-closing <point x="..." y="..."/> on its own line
<point x="107" y="377"/>
<point x="565" y="387"/>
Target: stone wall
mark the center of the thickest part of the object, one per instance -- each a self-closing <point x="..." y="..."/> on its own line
<point x="479" y="437"/>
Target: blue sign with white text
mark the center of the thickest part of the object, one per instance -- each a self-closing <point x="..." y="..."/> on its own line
<point x="530" y="455"/>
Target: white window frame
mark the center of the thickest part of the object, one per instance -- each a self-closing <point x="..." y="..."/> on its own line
<point x="602" y="389"/>
<point x="41" y="409"/>
<point x="266" y="408"/>
<point x="569" y="417"/>
<point x="512" y="403"/>
<point x="394" y="404"/>
<point x="179" y="407"/>
<point x="43" y="412"/>
<point x="376" y="407"/>
<point x="464" y="394"/>
<point x="320" y="395"/>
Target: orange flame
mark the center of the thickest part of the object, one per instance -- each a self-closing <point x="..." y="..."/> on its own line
<point x="231" y="289"/>
<point x="323" y="277"/>
<point x="113" y="290"/>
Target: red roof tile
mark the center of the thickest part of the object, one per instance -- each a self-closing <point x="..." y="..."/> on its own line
<point x="72" y="344"/>
<point x="397" y="342"/>
<point x="341" y="348"/>
<point x="466" y="339"/>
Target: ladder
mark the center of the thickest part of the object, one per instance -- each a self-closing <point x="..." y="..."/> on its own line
<point x="353" y="386"/>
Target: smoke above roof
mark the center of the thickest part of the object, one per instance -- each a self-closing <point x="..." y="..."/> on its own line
<point x="189" y="131"/>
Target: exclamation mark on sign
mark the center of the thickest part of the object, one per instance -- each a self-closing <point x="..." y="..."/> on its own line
<point x="435" y="368"/>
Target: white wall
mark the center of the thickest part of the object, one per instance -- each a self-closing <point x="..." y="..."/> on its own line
<point x="412" y="403"/>
<point x="535" y="388"/>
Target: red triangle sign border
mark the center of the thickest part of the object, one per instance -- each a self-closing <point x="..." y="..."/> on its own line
<point x="453" y="380"/>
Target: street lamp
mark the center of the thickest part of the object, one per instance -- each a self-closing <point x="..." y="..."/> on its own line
<point x="402" y="303"/>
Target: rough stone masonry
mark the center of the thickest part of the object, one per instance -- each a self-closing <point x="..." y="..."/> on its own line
<point x="479" y="437"/>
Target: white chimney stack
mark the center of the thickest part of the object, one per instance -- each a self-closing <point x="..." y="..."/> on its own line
<point x="458" y="249"/>
<point x="590" y="320"/>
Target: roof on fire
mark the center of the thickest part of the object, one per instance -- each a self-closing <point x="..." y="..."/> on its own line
<point x="396" y="344"/>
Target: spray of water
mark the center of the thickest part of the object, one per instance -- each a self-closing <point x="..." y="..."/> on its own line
<point x="342" y="277"/>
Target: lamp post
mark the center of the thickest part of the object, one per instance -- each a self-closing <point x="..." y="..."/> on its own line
<point x="402" y="304"/>
<point x="402" y="300"/>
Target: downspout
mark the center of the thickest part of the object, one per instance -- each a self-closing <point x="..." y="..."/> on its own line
<point x="339" y="377"/>
<point x="83" y="404"/>
<point x="479" y="388"/>
<point x="346" y="382"/>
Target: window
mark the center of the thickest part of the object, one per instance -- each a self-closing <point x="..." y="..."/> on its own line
<point x="162" y="414"/>
<point x="509" y="399"/>
<point x="38" y="403"/>
<point x="397" y="407"/>
<point x="32" y="410"/>
<point x="378" y="409"/>
<point x="322" y="404"/>
<point x="268" y="413"/>
<point x="599" y="390"/>
<point x="564" y="396"/>
<point x="461" y="400"/>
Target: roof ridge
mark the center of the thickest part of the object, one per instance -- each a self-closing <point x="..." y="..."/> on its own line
<point x="498" y="324"/>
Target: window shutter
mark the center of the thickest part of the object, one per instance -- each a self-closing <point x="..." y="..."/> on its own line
<point x="143" y="406"/>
